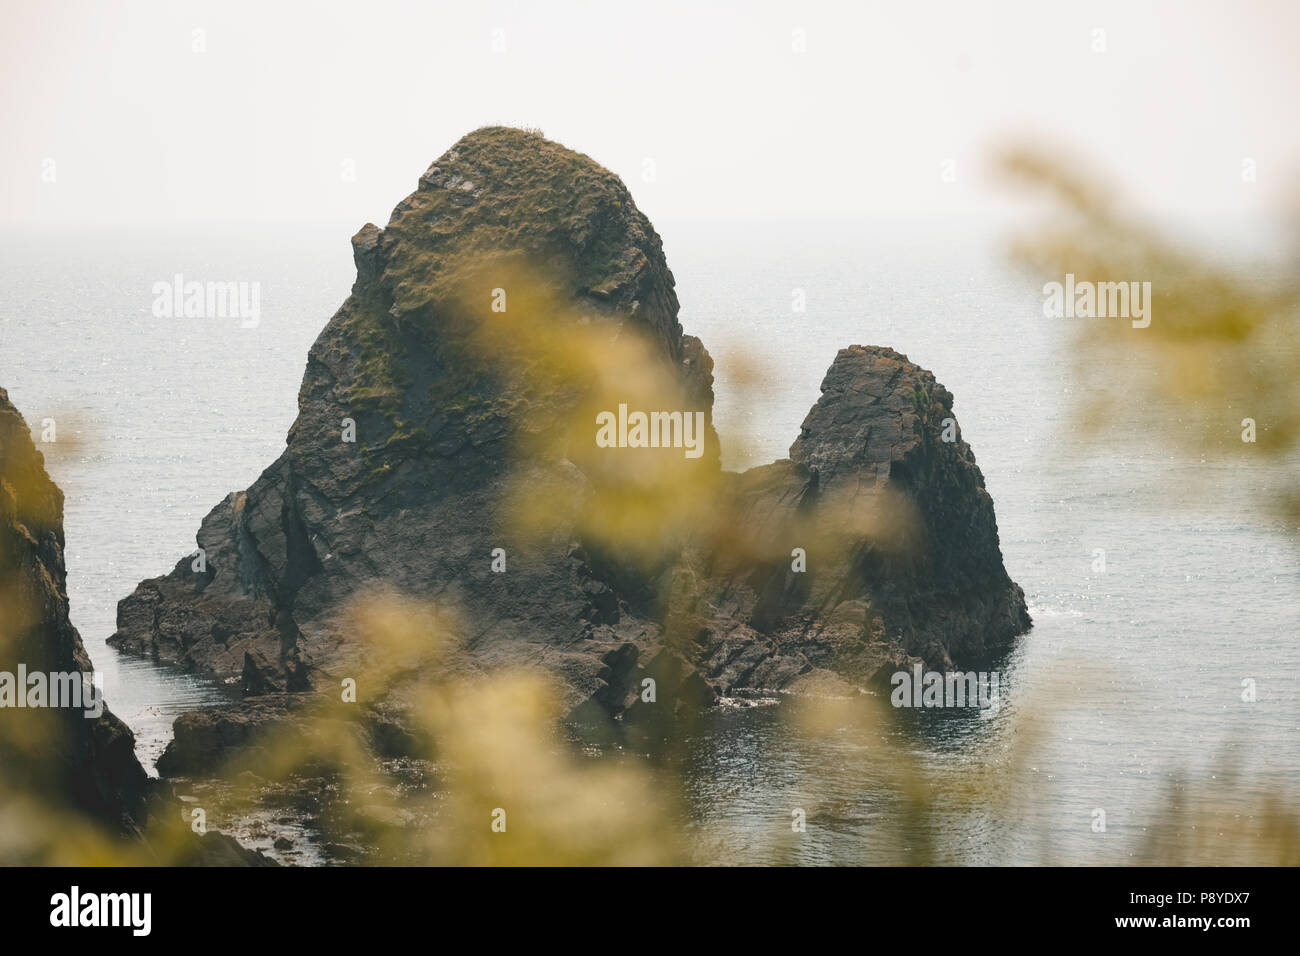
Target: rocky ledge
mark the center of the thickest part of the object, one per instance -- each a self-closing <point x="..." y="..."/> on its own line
<point x="446" y="447"/>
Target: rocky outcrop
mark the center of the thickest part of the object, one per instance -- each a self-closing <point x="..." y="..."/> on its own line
<point x="897" y="533"/>
<point x="447" y="412"/>
<point x="87" y="763"/>
<point x="64" y="764"/>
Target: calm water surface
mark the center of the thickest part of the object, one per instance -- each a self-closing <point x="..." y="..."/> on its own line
<point x="1141" y="665"/>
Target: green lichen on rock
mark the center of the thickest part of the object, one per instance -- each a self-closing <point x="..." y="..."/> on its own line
<point x="499" y="201"/>
<point x="381" y="379"/>
<point x="920" y="399"/>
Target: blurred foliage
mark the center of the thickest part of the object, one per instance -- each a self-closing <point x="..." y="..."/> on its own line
<point x="479" y="741"/>
<point x="1221" y="346"/>
<point x="567" y="365"/>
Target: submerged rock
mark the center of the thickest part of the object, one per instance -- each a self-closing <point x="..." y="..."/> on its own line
<point x="446" y="447"/>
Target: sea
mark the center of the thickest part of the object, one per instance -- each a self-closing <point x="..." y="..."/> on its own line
<point x="1128" y="690"/>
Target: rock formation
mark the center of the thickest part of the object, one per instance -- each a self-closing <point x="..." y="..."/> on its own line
<point x="901" y="541"/>
<point x="59" y="766"/>
<point x="88" y="763"/>
<point x="515" y="294"/>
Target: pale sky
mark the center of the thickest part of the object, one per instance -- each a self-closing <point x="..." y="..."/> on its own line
<point x="142" y="128"/>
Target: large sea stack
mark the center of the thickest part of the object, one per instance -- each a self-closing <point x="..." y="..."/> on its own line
<point x="512" y="299"/>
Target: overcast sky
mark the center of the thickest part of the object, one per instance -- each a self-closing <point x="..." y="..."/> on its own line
<point x="260" y="124"/>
